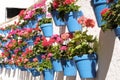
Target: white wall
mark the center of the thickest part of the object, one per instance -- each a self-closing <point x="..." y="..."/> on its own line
<point x="108" y="54"/>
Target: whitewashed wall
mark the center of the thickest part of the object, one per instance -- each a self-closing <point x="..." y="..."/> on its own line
<point x="108" y="53"/>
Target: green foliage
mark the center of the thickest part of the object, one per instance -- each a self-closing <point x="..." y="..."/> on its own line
<point x="111" y="18"/>
<point x="44" y="21"/>
<point x="82" y="43"/>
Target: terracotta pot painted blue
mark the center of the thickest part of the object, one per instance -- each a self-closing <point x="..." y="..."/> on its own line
<point x="34" y="72"/>
<point x="48" y="74"/>
<point x="47" y="29"/>
<point x="86" y="65"/>
<point x="31" y="24"/>
<point x="58" y="21"/>
<point x="39" y="16"/>
<point x="99" y="5"/>
<point x="22" y="68"/>
<point x="7" y="66"/>
<point x="14" y="67"/>
<point x="57" y="66"/>
<point x="69" y="68"/>
<point x="72" y="23"/>
<point x="117" y="31"/>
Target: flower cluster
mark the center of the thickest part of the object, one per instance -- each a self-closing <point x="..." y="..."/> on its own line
<point x="110" y="16"/>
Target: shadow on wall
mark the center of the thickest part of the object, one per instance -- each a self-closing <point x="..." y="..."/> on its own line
<point x="106" y="42"/>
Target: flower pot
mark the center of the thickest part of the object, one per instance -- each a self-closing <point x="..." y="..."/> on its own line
<point x="72" y="23"/>
<point x="31" y="24"/>
<point x="39" y="16"/>
<point x="86" y="65"/>
<point x="117" y="31"/>
<point x="47" y="29"/>
<point x="7" y="66"/>
<point x="13" y="67"/>
<point x="57" y="66"/>
<point x="39" y="57"/>
<point x="48" y="74"/>
<point x="99" y="5"/>
<point x="58" y="21"/>
<point x="69" y="68"/>
<point x="34" y="72"/>
<point x="22" y="68"/>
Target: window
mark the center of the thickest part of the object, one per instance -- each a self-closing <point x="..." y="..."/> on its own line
<point x="12" y="12"/>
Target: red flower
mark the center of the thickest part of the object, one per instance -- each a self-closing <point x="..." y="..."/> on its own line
<point x="109" y="1"/>
<point x="69" y="1"/>
<point x="90" y="23"/>
<point x="103" y="12"/>
<point x="55" y="4"/>
<point x="45" y="43"/>
<point x="21" y="14"/>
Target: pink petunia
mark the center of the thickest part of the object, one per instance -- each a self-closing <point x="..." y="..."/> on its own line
<point x="63" y="48"/>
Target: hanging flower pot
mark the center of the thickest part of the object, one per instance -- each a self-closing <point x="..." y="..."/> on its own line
<point x="48" y="74"/>
<point x="99" y="5"/>
<point x="13" y="66"/>
<point x="57" y="66"/>
<point x="72" y="23"/>
<point x="34" y="72"/>
<point x="47" y="29"/>
<point x="69" y="68"/>
<point x="58" y="21"/>
<point x="39" y="16"/>
<point x="22" y="68"/>
<point x="7" y="66"/>
<point x="86" y="65"/>
<point x="117" y="31"/>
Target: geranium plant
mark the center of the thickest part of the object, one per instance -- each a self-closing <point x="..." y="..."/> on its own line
<point x="82" y="43"/>
<point x="64" y="6"/>
<point x="44" y="21"/>
<point x="111" y="16"/>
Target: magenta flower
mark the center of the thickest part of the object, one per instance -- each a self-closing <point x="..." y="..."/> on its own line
<point x="63" y="48"/>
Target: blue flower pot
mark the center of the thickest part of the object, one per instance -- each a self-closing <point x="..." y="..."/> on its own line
<point x="39" y="57"/>
<point x="30" y="42"/>
<point x="117" y="31"/>
<point x="31" y="24"/>
<point x="48" y="74"/>
<point x="58" y="21"/>
<point x="47" y="29"/>
<point x="69" y="68"/>
<point x="57" y="66"/>
<point x="34" y="72"/>
<point x="72" y="23"/>
<point x="22" y="68"/>
<point x="99" y="5"/>
<point x="1" y="66"/>
<point x="7" y="66"/>
<point x="86" y="65"/>
<point x="39" y="16"/>
<point x="14" y="67"/>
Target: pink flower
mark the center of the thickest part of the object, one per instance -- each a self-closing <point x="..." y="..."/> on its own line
<point x="39" y="5"/>
<point x="104" y="11"/>
<point x="43" y="56"/>
<point x="90" y="23"/>
<point x="49" y="55"/>
<point x="21" y="14"/>
<point x="63" y="48"/>
<point x="26" y="60"/>
<point x="45" y="43"/>
<point x="29" y="14"/>
<point x="82" y="20"/>
<point x="65" y="36"/>
<point x="35" y="59"/>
